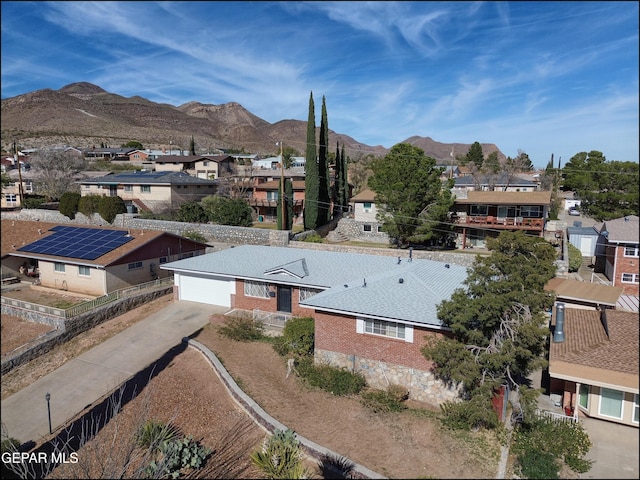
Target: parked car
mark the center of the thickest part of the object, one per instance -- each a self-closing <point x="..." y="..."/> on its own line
<point x="573" y="211"/>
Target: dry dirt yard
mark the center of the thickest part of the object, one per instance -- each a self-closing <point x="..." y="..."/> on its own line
<point x="411" y="444"/>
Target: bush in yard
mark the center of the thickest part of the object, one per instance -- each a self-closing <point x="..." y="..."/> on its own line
<point x="336" y="380"/>
<point x="241" y="329"/>
<point x="389" y="400"/>
<point x="178" y="454"/>
<point x="109" y="207"/>
<point x="475" y="413"/>
<point x="313" y="238"/>
<point x="575" y="258"/>
<point x="297" y="337"/>
<point x="152" y="434"/>
<point x="69" y="202"/>
<point x="280" y="457"/>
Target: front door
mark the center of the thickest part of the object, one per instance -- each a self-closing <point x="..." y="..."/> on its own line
<point x="284" y="298"/>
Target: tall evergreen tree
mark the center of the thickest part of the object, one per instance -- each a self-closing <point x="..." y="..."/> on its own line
<point x="192" y="146"/>
<point x="288" y="191"/>
<point x="337" y="183"/>
<point x="324" y="198"/>
<point x="311" y="180"/>
<point x="344" y="182"/>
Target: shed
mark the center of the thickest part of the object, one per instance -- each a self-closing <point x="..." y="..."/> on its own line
<point x="584" y="239"/>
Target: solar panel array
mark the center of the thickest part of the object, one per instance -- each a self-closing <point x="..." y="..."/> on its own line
<point x="78" y="242"/>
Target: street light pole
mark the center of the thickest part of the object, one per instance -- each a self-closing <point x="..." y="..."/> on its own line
<point x="47" y="397"/>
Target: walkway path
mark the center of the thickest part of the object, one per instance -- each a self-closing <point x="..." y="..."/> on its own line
<point x="97" y="372"/>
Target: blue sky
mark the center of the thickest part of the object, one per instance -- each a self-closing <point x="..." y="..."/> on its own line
<point x="540" y="77"/>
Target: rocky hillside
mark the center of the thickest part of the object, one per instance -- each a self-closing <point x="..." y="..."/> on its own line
<point x="83" y="114"/>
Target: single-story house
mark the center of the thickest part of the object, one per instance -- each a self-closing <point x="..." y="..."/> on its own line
<point x="373" y="314"/>
<point x="593" y="363"/>
<point x="87" y="259"/>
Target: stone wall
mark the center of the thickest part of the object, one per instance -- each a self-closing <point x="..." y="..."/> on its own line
<point x="421" y="385"/>
<point x="355" y="231"/>
<point x="72" y="327"/>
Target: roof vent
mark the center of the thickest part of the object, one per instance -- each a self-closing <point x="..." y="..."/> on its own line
<point x="399" y="260"/>
<point x="364" y="282"/>
<point x="446" y="265"/>
<point x="558" y="333"/>
<point x="401" y="280"/>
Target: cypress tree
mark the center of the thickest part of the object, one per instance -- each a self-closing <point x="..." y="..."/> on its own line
<point x="192" y="146"/>
<point x="337" y="183"/>
<point x="324" y="198"/>
<point x="344" y="181"/>
<point x="288" y="191"/>
<point x="311" y="181"/>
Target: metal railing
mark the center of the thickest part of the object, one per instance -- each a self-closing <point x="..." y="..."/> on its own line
<point x="556" y="417"/>
<point x="272" y="319"/>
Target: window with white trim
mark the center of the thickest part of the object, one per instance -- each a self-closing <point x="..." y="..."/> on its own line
<point x="163" y="260"/>
<point x="611" y="402"/>
<point x="306" y="292"/>
<point x="631" y="278"/>
<point x="84" y="271"/>
<point x="636" y="409"/>
<point x="145" y="188"/>
<point x="531" y="211"/>
<point x="385" y="329"/>
<point x="134" y="265"/>
<point x="479" y="209"/>
<point x="631" y="250"/>
<point x="256" y="289"/>
<point x="128" y="188"/>
<point x="272" y="196"/>
<point x="366" y="227"/>
<point x="58" y="267"/>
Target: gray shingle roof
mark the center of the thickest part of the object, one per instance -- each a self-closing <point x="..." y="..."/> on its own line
<point x="425" y="283"/>
<point x="623" y="229"/>
<point x="140" y="177"/>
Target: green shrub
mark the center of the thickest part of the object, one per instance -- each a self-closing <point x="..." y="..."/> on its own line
<point x="281" y="457"/>
<point x="153" y="434"/>
<point x="34" y="201"/>
<point x="195" y="236"/>
<point x="470" y="414"/>
<point x="69" y="202"/>
<point x="241" y="329"/>
<point x="336" y="380"/>
<point x="537" y="465"/>
<point x="313" y="238"/>
<point x="575" y="258"/>
<point x="177" y="454"/>
<point x="109" y="207"/>
<point x="382" y="401"/>
<point x="10" y="444"/>
<point x="297" y="337"/>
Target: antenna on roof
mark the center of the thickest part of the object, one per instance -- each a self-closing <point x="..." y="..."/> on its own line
<point x="364" y="282"/>
<point x="411" y="248"/>
<point x="399" y="260"/>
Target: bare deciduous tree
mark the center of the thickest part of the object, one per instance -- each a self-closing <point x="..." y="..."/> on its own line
<point x="55" y="172"/>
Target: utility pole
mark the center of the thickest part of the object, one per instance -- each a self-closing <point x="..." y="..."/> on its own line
<point x="283" y="215"/>
<point x="17" y="162"/>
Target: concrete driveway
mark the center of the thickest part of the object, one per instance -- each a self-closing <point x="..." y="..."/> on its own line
<point x="96" y="373"/>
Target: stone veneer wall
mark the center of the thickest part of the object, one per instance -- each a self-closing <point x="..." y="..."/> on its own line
<point x="354" y="229"/>
<point x="421" y="385"/>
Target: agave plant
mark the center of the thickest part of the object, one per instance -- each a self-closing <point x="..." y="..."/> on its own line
<point x="281" y="457"/>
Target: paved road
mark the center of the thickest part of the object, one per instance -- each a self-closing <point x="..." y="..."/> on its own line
<point x="97" y="372"/>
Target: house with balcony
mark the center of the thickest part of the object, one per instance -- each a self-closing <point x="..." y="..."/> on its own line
<point x="502" y="182"/>
<point x="151" y="191"/>
<point x="265" y="197"/>
<point x="208" y="167"/>
<point x="481" y="214"/>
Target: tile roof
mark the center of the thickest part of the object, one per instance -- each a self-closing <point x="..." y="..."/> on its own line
<point x="590" y="355"/>
<point x="623" y="229"/>
<point x="425" y="282"/>
<point x="17" y="233"/>
<point x="507" y="198"/>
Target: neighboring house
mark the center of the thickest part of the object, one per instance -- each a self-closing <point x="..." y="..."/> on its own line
<point x="584" y="239"/>
<point x="593" y="363"/>
<point x="480" y="214"/>
<point x="201" y="166"/>
<point x="579" y="294"/>
<point x="11" y="192"/>
<point x="106" y="153"/>
<point x="89" y="260"/>
<point x="154" y="191"/>
<point x="373" y="314"/>
<point x="265" y="198"/>
<point x="617" y="252"/>
<point x="364" y="211"/>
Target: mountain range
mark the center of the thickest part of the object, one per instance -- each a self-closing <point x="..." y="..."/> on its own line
<point x="84" y="115"/>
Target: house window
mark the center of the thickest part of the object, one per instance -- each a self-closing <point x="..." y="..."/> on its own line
<point x="58" y="267"/>
<point x="128" y="188"/>
<point x="84" y="271"/>
<point x="636" y="407"/>
<point x="611" y="403"/>
<point x="379" y="229"/>
<point x="630" y="277"/>
<point x="256" y="289"/>
<point x="366" y="227"/>
<point x="11" y="198"/>
<point x="631" y="250"/>
<point x="583" y="396"/>
<point x="186" y="255"/>
<point x="366" y="206"/>
<point x="479" y="209"/>
<point x="306" y="292"/>
<point x="272" y="196"/>
<point x="163" y="260"/>
<point x="145" y="188"/>
<point x="205" y="163"/>
<point x="385" y="329"/>
<point x="135" y="265"/>
<point x="530" y="211"/>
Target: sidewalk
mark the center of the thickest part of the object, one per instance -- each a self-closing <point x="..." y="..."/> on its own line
<point x="96" y="373"/>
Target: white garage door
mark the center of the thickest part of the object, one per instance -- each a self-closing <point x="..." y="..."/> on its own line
<point x="213" y="291"/>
